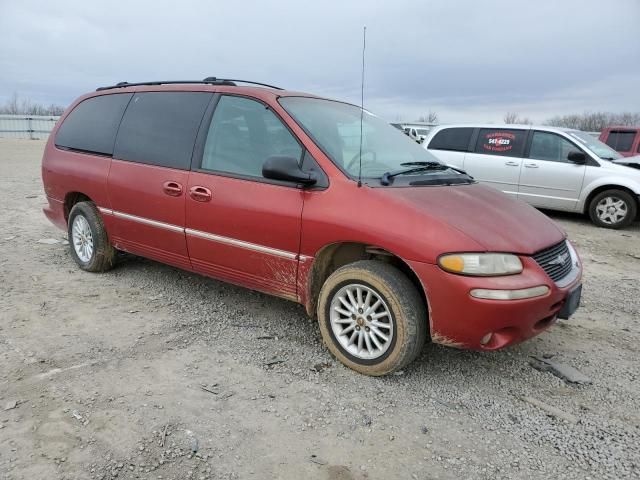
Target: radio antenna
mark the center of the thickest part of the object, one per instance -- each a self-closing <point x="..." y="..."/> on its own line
<point x="364" y="46"/>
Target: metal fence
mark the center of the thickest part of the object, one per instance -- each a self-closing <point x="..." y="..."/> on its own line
<point x="35" y="127"/>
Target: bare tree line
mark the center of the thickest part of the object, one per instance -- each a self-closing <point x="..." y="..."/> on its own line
<point x="512" y="117"/>
<point x="431" y="117"/>
<point x="587" y="121"/>
<point x="595" y="121"/>
<point x="24" y="106"/>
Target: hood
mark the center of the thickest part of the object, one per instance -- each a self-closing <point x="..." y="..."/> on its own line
<point x="633" y="162"/>
<point x="487" y="216"/>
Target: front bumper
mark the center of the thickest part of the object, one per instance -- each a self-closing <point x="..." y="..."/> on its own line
<point x="459" y="320"/>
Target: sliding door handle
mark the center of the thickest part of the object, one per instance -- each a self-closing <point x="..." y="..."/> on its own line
<point x="200" y="194"/>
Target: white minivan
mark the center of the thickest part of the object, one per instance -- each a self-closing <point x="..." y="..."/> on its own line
<point x="547" y="167"/>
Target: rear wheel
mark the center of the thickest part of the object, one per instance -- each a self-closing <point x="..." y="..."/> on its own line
<point x="372" y="317"/>
<point x="613" y="209"/>
<point x="90" y="247"/>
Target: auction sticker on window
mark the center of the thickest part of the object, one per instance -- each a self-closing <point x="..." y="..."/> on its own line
<point x="493" y="141"/>
<point x="498" y="141"/>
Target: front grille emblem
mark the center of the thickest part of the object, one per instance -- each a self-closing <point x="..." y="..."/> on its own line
<point x="556" y="261"/>
<point x="560" y="259"/>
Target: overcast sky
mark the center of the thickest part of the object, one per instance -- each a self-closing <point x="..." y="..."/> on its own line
<point x="467" y="60"/>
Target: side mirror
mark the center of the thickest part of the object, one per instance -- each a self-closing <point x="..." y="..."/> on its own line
<point x="579" y="158"/>
<point x="280" y="167"/>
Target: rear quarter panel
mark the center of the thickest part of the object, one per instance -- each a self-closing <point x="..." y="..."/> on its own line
<point x="64" y="172"/>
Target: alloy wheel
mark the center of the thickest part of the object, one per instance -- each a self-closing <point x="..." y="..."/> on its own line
<point x="611" y="210"/>
<point x="361" y="321"/>
<point x="82" y="238"/>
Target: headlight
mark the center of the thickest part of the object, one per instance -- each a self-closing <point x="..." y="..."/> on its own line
<point x="481" y="264"/>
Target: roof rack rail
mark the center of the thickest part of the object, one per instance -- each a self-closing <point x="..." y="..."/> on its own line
<point x="206" y="81"/>
<point x="233" y="80"/>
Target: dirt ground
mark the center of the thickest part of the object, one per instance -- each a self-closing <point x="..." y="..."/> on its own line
<point x="156" y="373"/>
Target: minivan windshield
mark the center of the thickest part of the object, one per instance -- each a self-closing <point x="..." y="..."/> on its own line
<point x="602" y="150"/>
<point x="335" y="127"/>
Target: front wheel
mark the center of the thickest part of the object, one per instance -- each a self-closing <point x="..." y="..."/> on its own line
<point x="613" y="209"/>
<point x="372" y="318"/>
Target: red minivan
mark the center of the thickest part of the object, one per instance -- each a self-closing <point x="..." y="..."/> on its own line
<point x="312" y="200"/>
<point x="624" y="140"/>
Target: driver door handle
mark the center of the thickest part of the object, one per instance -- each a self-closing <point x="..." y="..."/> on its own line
<point x="173" y="189"/>
<point x="512" y="164"/>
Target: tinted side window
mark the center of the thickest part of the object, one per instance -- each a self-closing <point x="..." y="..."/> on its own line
<point x="452" y="139"/>
<point x="243" y="133"/>
<point x="549" y="146"/>
<point x="160" y="128"/>
<point x="611" y="139"/>
<point x="92" y="125"/>
<point x="509" y="143"/>
<point x="621" y="141"/>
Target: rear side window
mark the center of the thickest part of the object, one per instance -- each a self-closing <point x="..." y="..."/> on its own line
<point x="242" y="135"/>
<point x="506" y="142"/>
<point x="92" y="125"/>
<point x="456" y="139"/>
<point x="160" y="128"/>
<point x="622" y="141"/>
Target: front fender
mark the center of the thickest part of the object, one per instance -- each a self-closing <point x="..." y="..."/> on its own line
<point x="610" y="181"/>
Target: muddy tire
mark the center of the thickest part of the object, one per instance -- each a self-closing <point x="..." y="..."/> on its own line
<point x="90" y="247"/>
<point x="613" y="209"/>
<point x="372" y="317"/>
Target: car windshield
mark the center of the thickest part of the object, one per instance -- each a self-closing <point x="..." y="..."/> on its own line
<point x="602" y="150"/>
<point x="335" y="127"/>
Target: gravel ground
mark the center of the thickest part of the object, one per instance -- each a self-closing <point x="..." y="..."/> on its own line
<point x="155" y="373"/>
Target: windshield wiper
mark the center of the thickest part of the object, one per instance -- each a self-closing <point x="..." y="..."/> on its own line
<point x="412" y="167"/>
<point x="455" y="169"/>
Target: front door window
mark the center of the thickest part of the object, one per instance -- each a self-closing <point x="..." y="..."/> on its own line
<point x="550" y="147"/>
<point x="242" y="135"/>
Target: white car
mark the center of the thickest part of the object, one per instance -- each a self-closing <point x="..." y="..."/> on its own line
<point x="547" y="167"/>
<point x="416" y="132"/>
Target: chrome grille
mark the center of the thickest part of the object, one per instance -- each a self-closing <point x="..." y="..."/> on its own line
<point x="555" y="260"/>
